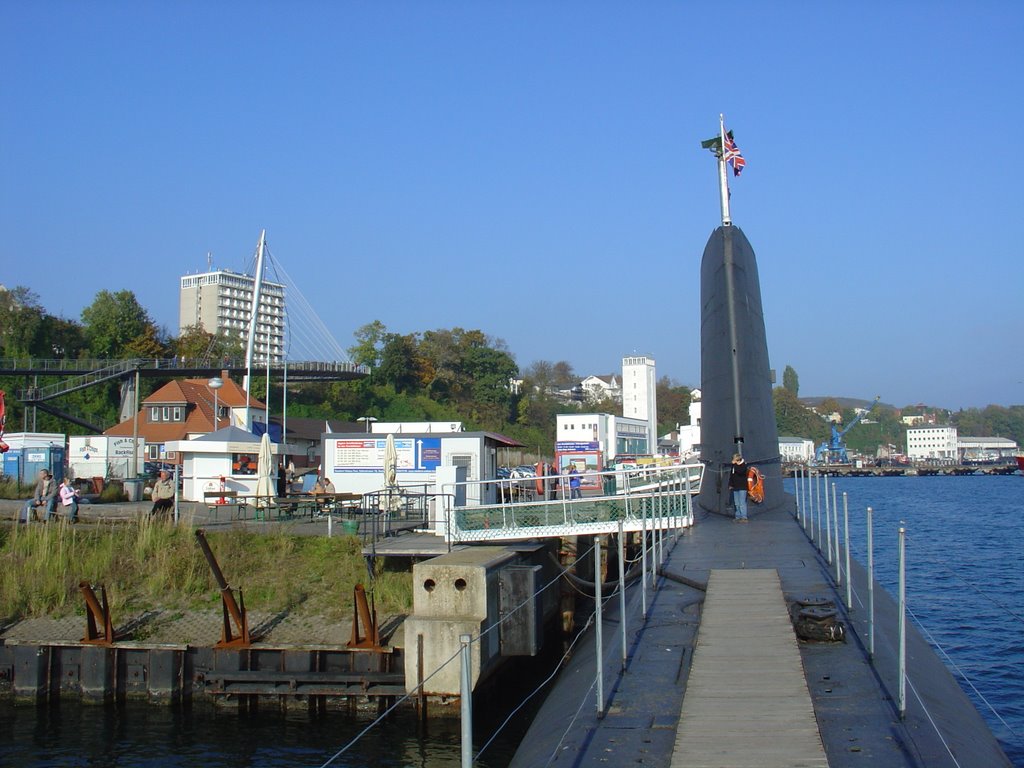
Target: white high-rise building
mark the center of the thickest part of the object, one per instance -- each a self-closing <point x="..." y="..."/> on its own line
<point x="220" y="302"/>
<point x="639" y="394"/>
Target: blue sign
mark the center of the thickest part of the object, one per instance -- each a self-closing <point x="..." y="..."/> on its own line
<point x="428" y="453"/>
<point x="565" y="446"/>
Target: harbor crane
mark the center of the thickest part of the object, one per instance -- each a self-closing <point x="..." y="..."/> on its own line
<point x="834" y="450"/>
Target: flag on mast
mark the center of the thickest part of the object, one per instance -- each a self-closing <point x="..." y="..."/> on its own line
<point x="732" y="155"/>
<point x="730" y="151"/>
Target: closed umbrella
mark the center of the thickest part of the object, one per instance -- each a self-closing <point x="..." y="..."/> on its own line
<point x="264" y="468"/>
<point x="391" y="500"/>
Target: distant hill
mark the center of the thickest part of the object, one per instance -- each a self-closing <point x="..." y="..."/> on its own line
<point x="845" y="402"/>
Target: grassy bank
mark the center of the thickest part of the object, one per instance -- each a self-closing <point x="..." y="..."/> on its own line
<point x="157" y="564"/>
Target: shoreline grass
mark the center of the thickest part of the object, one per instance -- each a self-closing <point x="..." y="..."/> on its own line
<point x="155" y="564"/>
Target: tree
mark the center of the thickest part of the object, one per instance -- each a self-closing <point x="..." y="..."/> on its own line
<point x="369" y="344"/>
<point x="791" y="381"/>
<point x="563" y="375"/>
<point x="112" y="321"/>
<point x="146" y="345"/>
<point x="398" y="363"/>
<point x="673" y="404"/>
<point x="21" y="316"/>
<point x="794" y="419"/>
<point x="200" y="347"/>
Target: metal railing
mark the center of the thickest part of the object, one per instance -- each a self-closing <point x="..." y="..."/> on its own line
<point x="657" y="497"/>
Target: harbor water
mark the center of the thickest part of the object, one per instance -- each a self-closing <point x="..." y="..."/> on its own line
<point x="965" y="590"/>
<point x="964" y="577"/>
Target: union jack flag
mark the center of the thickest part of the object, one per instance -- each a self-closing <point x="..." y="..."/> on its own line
<point x="732" y="155"/>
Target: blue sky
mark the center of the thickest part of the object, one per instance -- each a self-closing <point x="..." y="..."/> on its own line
<point x="533" y="169"/>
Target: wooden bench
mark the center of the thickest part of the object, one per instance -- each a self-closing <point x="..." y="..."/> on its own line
<point x="218" y="500"/>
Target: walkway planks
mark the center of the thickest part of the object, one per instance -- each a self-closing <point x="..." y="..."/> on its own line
<point x="747" y="703"/>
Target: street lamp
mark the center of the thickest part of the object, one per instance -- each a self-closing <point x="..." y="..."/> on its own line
<point x="215" y="383"/>
<point x="368" y="420"/>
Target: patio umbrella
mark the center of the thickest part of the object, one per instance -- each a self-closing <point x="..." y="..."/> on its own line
<point x="264" y="468"/>
<point x="390" y="499"/>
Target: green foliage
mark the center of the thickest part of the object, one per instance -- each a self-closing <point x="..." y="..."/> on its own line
<point x="992" y="421"/>
<point x="794" y="419"/>
<point x="673" y="405"/>
<point x="790" y="381"/>
<point x="113" y="321"/>
<point x="200" y="347"/>
<point x="112" y="493"/>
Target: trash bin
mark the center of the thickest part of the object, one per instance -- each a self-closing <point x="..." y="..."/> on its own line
<point x="609" y="485"/>
<point x="350" y="527"/>
<point x="133" y="489"/>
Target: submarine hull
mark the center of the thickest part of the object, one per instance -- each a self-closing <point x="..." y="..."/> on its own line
<point x="737" y="411"/>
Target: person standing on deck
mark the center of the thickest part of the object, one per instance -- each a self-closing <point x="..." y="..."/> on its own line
<point x="738" y="486"/>
<point x="574" y="482"/>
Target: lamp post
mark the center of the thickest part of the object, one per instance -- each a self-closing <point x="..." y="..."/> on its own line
<point x="215" y="383"/>
<point x="368" y="420"/>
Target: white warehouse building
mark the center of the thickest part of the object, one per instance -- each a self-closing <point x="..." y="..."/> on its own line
<point x="932" y="443"/>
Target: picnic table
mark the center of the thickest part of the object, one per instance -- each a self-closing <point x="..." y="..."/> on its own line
<point x="316" y="503"/>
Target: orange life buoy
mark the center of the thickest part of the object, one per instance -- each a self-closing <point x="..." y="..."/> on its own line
<point x="539" y="481"/>
<point x="755" y="485"/>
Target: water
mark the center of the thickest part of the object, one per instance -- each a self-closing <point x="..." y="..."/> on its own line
<point x="965" y="580"/>
<point x="965" y="585"/>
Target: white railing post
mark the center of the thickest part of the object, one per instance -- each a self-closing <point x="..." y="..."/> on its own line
<point x="828" y="524"/>
<point x="871" y="585"/>
<point x="466" y="691"/>
<point x="902" y="695"/>
<point x="599" y="611"/>
<point x="835" y="520"/>
<point x="643" y="562"/>
<point x="622" y="594"/>
<point x="846" y="535"/>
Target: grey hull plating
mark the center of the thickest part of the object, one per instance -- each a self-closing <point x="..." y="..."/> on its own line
<point x="736" y="386"/>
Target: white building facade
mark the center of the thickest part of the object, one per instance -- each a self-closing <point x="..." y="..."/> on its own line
<point x="613" y="435"/>
<point x="798" y="449"/>
<point x="932" y="443"/>
<point x="220" y="302"/>
<point x="639" y="394"/>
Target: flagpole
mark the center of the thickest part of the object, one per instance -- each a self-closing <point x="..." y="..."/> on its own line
<point x="723" y="177"/>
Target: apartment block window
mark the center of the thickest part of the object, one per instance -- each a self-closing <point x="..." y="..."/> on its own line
<point x="153" y="451"/>
<point x="167" y="413"/>
<point x="154" y="414"/>
<point x="177" y="413"/>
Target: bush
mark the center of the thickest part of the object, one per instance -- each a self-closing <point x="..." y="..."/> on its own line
<point x="112" y="493"/>
<point x="12" y="488"/>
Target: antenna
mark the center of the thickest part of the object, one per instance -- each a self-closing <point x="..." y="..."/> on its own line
<point x="209" y="261"/>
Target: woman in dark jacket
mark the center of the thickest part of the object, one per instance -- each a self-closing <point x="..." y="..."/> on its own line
<point x="738" y="486"/>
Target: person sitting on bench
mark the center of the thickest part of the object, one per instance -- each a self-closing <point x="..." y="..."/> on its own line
<point x="163" y="493"/>
<point x="45" y="496"/>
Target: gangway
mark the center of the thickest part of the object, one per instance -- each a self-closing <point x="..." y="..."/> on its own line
<point x="658" y="498"/>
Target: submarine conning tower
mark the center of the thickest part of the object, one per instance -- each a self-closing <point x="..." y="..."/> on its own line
<point x="737" y="411"/>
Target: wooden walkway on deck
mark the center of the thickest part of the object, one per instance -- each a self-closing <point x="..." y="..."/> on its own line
<point x="746" y="702"/>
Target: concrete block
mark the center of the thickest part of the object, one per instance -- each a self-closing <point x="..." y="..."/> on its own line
<point x="165" y="675"/>
<point x="97" y="674"/>
<point x="31" y="673"/>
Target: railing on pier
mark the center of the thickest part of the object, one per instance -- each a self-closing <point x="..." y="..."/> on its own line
<point x="655" y="498"/>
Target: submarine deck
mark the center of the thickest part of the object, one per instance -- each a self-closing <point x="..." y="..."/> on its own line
<point x="747" y="703"/>
<point x="852" y="695"/>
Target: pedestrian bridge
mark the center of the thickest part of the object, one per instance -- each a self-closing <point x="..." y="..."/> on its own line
<point x="657" y="498"/>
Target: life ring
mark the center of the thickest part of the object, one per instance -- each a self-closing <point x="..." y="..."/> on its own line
<point x="755" y="485"/>
<point x="538" y="483"/>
